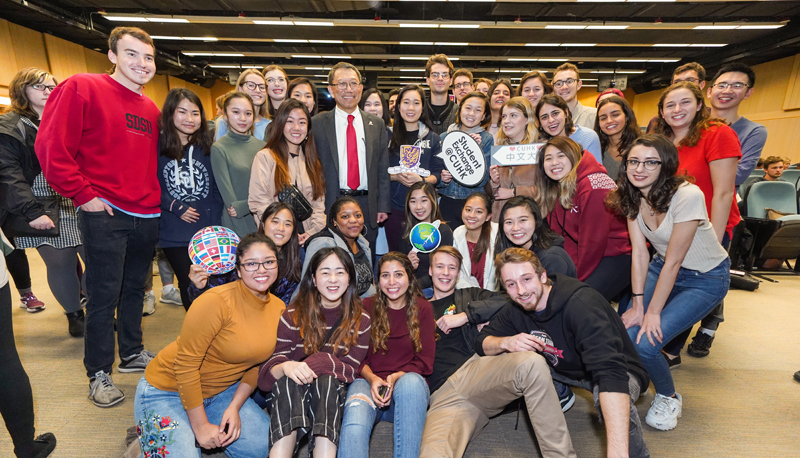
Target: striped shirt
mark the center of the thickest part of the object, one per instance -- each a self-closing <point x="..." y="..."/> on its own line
<point x="325" y="362"/>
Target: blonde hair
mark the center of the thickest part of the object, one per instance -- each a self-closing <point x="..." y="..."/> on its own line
<point x="549" y="191"/>
<point x="524" y="105"/>
<point x="20" y="103"/>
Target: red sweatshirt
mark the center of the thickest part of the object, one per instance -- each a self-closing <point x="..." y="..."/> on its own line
<point x="100" y="139"/>
<point x="400" y="355"/>
<point x="591" y="232"/>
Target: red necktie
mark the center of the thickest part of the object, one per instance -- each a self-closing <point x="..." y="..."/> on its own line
<point x="352" y="155"/>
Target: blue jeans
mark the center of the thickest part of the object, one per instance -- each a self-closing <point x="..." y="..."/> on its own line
<point x="119" y="255"/>
<point x="406" y="410"/>
<point x="693" y="296"/>
<point x="163" y="425"/>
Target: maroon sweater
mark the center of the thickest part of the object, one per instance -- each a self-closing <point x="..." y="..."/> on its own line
<point x="400" y="355"/>
<point x="590" y="230"/>
<point x="325" y="362"/>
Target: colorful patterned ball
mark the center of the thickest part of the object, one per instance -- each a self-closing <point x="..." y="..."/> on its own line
<point x="214" y="249"/>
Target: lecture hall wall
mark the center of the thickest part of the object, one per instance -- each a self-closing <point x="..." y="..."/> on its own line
<point x="775" y="102"/>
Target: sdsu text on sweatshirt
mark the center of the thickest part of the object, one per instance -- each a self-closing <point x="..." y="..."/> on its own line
<point x="100" y="139"/>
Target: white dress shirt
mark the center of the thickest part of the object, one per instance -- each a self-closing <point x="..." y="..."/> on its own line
<point x="341" y="144"/>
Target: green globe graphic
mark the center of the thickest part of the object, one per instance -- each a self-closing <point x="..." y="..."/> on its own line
<point x="425" y="237"/>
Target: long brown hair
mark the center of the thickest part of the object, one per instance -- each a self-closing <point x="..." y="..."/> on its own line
<point x="433" y="196"/>
<point x="484" y="242"/>
<point x="549" y="191"/>
<point x="380" y="317"/>
<point x="308" y="316"/>
<point x="20" y="103"/>
<point x="701" y="122"/>
<point x="626" y="199"/>
<point x="630" y="132"/>
<point x="277" y="144"/>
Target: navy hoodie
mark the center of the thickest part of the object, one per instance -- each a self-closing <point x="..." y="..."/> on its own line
<point x="186" y="183"/>
<point x="587" y="338"/>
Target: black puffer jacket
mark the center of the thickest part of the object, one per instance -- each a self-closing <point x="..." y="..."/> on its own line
<point x="19" y="166"/>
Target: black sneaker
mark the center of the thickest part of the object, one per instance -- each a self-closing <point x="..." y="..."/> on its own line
<point x="701" y="344"/>
<point x="44" y="445"/>
<point x="673" y="362"/>
<point x="136" y="363"/>
<point x="76" y="322"/>
<point x="565" y="395"/>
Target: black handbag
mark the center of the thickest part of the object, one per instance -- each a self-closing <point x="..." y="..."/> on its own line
<point x="17" y="225"/>
<point x="295" y="199"/>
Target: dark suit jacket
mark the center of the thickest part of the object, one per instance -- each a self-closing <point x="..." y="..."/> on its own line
<point x="377" y="152"/>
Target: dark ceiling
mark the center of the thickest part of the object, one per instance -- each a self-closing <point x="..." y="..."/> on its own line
<point x="369" y="34"/>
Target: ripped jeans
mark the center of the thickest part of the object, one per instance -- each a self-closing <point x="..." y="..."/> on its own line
<point x="406" y="410"/>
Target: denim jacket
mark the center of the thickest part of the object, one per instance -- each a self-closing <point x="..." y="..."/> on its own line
<point x="455" y="190"/>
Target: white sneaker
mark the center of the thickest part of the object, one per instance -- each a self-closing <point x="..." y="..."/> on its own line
<point x="171" y="295"/>
<point x="664" y="412"/>
<point x="149" y="303"/>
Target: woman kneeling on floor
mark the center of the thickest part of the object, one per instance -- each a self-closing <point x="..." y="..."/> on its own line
<point x="196" y="392"/>
<point x="322" y="339"/>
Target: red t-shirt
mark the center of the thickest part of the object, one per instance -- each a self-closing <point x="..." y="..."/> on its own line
<point x="477" y="267"/>
<point x="400" y="355"/>
<point x="717" y="142"/>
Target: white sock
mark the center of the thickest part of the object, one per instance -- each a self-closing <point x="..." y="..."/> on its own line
<point x="167" y="288"/>
<point x="708" y="332"/>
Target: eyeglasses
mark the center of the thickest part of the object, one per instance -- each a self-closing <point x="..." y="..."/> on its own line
<point x="462" y="85"/>
<point x="270" y="264"/>
<point x="42" y="87"/>
<point x="633" y="164"/>
<point x="253" y="86"/>
<point x="691" y="80"/>
<point x="440" y="76"/>
<point x="561" y="83"/>
<point x="279" y="80"/>
<point x="343" y="85"/>
<point x="737" y="86"/>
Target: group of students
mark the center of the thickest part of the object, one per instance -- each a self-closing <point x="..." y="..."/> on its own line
<point x="337" y="336"/>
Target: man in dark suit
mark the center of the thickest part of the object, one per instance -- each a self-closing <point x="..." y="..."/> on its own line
<point x="353" y="149"/>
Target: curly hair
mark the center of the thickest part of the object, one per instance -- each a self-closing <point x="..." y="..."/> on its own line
<point x="380" y="317"/>
<point x="307" y="305"/>
<point x="626" y="199"/>
<point x="548" y="191"/>
<point x="701" y="122"/>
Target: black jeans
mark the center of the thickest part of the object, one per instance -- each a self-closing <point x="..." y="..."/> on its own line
<point x="181" y="263"/>
<point x="119" y="255"/>
<point x="16" y="399"/>
<point x="611" y="276"/>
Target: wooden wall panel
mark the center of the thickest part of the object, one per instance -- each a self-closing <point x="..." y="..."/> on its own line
<point x="157" y="90"/>
<point x="29" y="47"/>
<point x="66" y="59"/>
<point x="221" y="87"/>
<point x="645" y="106"/>
<point x="203" y="93"/>
<point x="783" y="138"/>
<point x="792" y="101"/>
<point x="96" y="62"/>
<point x="9" y="61"/>
<point x="772" y="80"/>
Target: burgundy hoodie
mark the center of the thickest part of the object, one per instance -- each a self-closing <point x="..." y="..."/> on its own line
<point x="591" y="232"/>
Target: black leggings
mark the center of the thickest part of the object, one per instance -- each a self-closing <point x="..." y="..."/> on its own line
<point x="20" y="270"/>
<point x="181" y="263"/>
<point x="611" y="276"/>
<point x="16" y="398"/>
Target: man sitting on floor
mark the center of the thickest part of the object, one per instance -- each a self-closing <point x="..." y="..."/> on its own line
<point x="466" y="390"/>
<point x="581" y="337"/>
